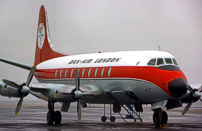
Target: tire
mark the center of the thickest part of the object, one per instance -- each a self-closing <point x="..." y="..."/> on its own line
<point x="103" y="118"/>
<point x="50" y="118"/>
<point x="164" y="118"/>
<point x="58" y="117"/>
<point x="112" y="119"/>
<point x="156" y="120"/>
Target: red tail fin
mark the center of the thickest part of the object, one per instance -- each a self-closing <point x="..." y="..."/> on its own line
<point x="44" y="48"/>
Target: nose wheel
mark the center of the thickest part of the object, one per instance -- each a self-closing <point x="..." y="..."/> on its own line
<point x="160" y="118"/>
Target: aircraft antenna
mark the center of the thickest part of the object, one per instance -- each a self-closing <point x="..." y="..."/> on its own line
<point x="109" y="49"/>
<point x="159" y="47"/>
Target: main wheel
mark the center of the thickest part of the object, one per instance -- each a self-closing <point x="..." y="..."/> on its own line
<point x="112" y="118"/>
<point x="103" y="118"/>
<point x="50" y="117"/>
<point x="58" y="117"/>
<point x="156" y="120"/>
<point x="164" y="118"/>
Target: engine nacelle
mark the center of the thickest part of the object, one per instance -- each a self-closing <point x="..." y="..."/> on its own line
<point x="8" y="91"/>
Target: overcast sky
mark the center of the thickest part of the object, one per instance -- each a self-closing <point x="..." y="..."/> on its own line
<point x="87" y="26"/>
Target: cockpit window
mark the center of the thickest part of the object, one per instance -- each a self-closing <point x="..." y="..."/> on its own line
<point x="152" y="62"/>
<point x="160" y="61"/>
<point x="168" y="61"/>
<point x="175" y="62"/>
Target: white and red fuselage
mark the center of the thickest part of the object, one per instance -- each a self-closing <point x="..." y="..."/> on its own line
<point x="114" y="71"/>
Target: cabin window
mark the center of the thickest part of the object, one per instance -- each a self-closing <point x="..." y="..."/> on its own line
<point x="71" y="73"/>
<point x="83" y="71"/>
<point x="102" y="71"/>
<point x="95" y="73"/>
<point x="89" y="71"/>
<point x="65" y="75"/>
<point x="56" y="71"/>
<point x="109" y="72"/>
<point x="168" y="61"/>
<point x="152" y="62"/>
<point x="175" y="62"/>
<point x="60" y="73"/>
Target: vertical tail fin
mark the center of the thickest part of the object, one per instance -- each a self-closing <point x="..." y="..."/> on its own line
<point x="44" y="48"/>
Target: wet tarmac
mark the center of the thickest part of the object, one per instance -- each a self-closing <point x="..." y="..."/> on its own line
<point x="33" y="117"/>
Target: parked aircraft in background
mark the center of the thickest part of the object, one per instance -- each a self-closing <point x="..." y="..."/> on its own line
<point x="118" y="78"/>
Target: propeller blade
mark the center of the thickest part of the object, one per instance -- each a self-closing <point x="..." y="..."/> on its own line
<point x="10" y="83"/>
<point x="39" y="95"/>
<point x="187" y="108"/>
<point x="19" y="105"/>
<point x="200" y="89"/>
<point x="77" y="81"/>
<point x="30" y="76"/>
<point x="79" y="110"/>
<point x="190" y="89"/>
<point x="78" y="93"/>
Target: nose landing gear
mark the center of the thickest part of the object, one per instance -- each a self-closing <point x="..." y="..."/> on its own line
<point x="160" y="118"/>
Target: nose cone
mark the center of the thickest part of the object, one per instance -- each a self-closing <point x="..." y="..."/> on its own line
<point x="178" y="87"/>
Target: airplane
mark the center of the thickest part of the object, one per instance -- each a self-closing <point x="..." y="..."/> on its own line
<point x="118" y="78"/>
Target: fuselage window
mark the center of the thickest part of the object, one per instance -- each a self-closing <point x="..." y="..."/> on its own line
<point x="65" y="73"/>
<point x="60" y="73"/>
<point x="95" y="73"/>
<point x="168" y="61"/>
<point x="175" y="62"/>
<point x="71" y="73"/>
<point x="152" y="62"/>
<point x="160" y="61"/>
<point x="102" y="71"/>
<point x="56" y="71"/>
<point x="109" y="72"/>
<point x="83" y="71"/>
<point x="89" y="70"/>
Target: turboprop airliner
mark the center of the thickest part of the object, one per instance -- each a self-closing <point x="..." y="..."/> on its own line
<point x="118" y="78"/>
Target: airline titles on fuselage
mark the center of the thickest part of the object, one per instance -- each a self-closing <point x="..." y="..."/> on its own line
<point x="99" y="60"/>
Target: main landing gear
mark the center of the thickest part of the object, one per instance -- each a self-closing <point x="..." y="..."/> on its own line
<point x="53" y="116"/>
<point x="111" y="118"/>
<point x="160" y="118"/>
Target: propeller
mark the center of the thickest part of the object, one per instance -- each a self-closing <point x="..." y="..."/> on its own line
<point x="23" y="88"/>
<point x="194" y="96"/>
<point x="200" y="90"/>
<point x="78" y="93"/>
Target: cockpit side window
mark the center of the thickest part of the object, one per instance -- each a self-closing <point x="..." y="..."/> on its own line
<point x="152" y="62"/>
<point x="175" y="62"/>
<point x="160" y="61"/>
<point x="168" y="61"/>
